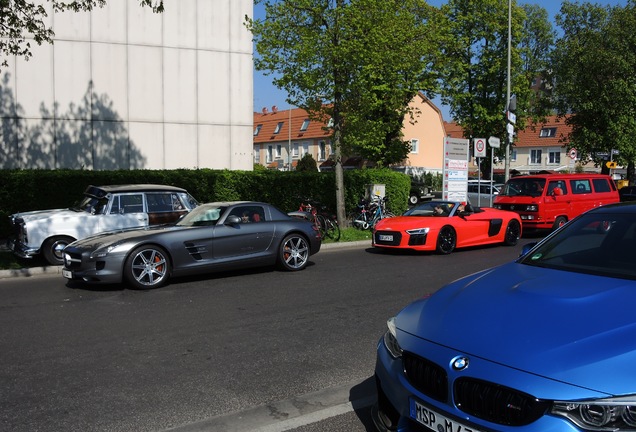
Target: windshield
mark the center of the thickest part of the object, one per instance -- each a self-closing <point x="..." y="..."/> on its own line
<point x="432" y="208"/>
<point x="203" y="215"/>
<point x="91" y="205"/>
<point x="598" y="243"/>
<point x="523" y="186"/>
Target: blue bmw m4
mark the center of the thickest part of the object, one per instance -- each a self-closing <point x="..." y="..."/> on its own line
<point x="546" y="343"/>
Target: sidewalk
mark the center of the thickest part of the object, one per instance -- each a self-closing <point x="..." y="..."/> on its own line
<point x="57" y="270"/>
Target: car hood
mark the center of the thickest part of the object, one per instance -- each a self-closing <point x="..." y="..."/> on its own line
<point x="111" y="237"/>
<point x="565" y="326"/>
<point x="399" y="222"/>
<point x="39" y="215"/>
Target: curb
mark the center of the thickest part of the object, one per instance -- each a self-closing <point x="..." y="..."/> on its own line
<point x="57" y="270"/>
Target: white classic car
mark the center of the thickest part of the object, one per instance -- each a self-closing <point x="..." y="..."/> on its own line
<point x="103" y="208"/>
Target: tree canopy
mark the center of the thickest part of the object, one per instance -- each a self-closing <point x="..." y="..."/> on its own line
<point x="24" y="21"/>
<point x="594" y="64"/>
<point x="356" y="62"/>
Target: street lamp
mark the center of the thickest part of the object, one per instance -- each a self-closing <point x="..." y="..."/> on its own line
<point x="508" y="141"/>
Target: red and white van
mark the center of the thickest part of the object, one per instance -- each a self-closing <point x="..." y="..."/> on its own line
<point x="547" y="201"/>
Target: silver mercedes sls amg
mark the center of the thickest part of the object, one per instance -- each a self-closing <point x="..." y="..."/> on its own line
<point x="212" y="237"/>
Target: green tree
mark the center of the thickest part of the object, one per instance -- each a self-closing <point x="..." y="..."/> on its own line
<point x="307" y="163"/>
<point x="594" y="65"/>
<point x="474" y="71"/>
<point x="357" y="55"/>
<point x="21" y="21"/>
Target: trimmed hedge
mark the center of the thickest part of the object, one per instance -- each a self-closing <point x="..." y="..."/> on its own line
<point x="26" y="190"/>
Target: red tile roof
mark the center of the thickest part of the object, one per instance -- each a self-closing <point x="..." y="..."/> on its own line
<point x="270" y="120"/>
<point x="531" y="135"/>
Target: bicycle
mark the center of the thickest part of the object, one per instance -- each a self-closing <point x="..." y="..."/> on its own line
<point x="325" y="223"/>
<point x="370" y="212"/>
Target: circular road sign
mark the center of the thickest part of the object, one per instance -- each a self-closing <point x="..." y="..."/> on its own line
<point x="572" y="153"/>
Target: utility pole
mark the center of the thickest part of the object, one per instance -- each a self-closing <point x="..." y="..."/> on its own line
<point x="509" y="136"/>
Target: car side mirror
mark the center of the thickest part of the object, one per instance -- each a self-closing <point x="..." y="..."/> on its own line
<point x="232" y="220"/>
<point x="526" y="248"/>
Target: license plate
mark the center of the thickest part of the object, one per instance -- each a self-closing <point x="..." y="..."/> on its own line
<point x="385" y="237"/>
<point x="436" y="421"/>
<point x="67" y="274"/>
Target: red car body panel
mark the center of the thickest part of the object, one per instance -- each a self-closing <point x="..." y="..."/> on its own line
<point x="483" y="226"/>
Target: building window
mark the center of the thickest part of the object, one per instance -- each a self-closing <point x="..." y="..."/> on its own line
<point x="295" y="150"/>
<point x="257" y="154"/>
<point x="279" y="150"/>
<point x="322" y="151"/>
<point x="305" y="125"/>
<point x="535" y="156"/>
<point x="513" y="155"/>
<point x="305" y="148"/>
<point x="257" y="130"/>
<point x="547" y="132"/>
<point x="415" y="146"/>
<point x="270" y="154"/>
<point x="554" y="156"/>
<point x="331" y="149"/>
<point x="279" y="126"/>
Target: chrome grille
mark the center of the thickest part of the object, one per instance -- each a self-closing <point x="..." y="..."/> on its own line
<point x="496" y="403"/>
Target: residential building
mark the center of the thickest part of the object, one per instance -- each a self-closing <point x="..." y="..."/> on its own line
<point x="279" y="146"/>
<point x="125" y="88"/>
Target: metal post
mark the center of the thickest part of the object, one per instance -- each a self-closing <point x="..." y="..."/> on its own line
<point x="289" y="156"/>
<point x="508" y="136"/>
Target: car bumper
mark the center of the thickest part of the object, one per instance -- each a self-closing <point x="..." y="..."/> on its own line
<point x="21" y="250"/>
<point x="81" y="267"/>
<point x="396" y="394"/>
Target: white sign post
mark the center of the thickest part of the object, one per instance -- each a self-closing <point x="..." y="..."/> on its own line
<point x="455" y="175"/>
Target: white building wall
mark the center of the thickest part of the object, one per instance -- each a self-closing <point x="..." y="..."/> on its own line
<point x="124" y="88"/>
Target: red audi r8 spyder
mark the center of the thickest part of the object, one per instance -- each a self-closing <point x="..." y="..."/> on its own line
<point x="443" y="226"/>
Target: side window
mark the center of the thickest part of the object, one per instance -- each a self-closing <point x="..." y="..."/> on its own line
<point x="581" y="186"/>
<point x="601" y="185"/>
<point x="249" y="214"/>
<point x="132" y="203"/>
<point x="115" y="208"/>
<point x="163" y="202"/>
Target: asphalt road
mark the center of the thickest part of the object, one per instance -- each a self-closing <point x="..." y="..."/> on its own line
<point x="258" y="350"/>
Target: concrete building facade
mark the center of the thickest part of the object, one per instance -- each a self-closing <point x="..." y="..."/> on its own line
<point x="125" y="88"/>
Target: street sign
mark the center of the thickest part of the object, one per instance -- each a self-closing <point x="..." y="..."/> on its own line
<point x="494" y="142"/>
<point x="480" y="147"/>
<point x="611" y="165"/>
<point x="572" y="153"/>
<point x="512" y="117"/>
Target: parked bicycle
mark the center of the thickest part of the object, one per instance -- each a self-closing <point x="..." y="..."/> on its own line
<point x="324" y="221"/>
<point x="369" y="212"/>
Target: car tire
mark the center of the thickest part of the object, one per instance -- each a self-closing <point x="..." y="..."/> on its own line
<point x="559" y="222"/>
<point x="413" y="199"/>
<point x="513" y="233"/>
<point x="446" y="240"/>
<point x="53" y="247"/>
<point x="293" y="253"/>
<point x="147" y="267"/>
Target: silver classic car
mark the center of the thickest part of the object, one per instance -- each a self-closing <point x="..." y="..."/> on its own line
<point x="212" y="237"/>
<point x="103" y="208"/>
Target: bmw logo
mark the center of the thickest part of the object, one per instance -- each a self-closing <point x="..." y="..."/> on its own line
<point x="459" y="363"/>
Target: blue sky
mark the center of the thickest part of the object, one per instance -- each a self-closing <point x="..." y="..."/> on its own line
<point x="267" y="95"/>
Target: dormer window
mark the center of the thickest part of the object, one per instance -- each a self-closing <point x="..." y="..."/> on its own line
<point x="547" y="132"/>
<point x="279" y="126"/>
<point x="258" y="129"/>
<point x="305" y="125"/>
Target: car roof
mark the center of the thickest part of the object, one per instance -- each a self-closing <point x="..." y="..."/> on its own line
<point x="566" y="176"/>
<point x="137" y="188"/>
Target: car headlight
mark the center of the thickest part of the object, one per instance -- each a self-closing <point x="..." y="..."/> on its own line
<point x="614" y="414"/>
<point x="497" y="206"/>
<point x="390" y="339"/>
<point x="532" y="207"/>
<point x="104" y="251"/>
<point x="418" y="231"/>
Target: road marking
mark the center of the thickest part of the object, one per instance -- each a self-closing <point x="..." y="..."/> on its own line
<point x="291" y="413"/>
